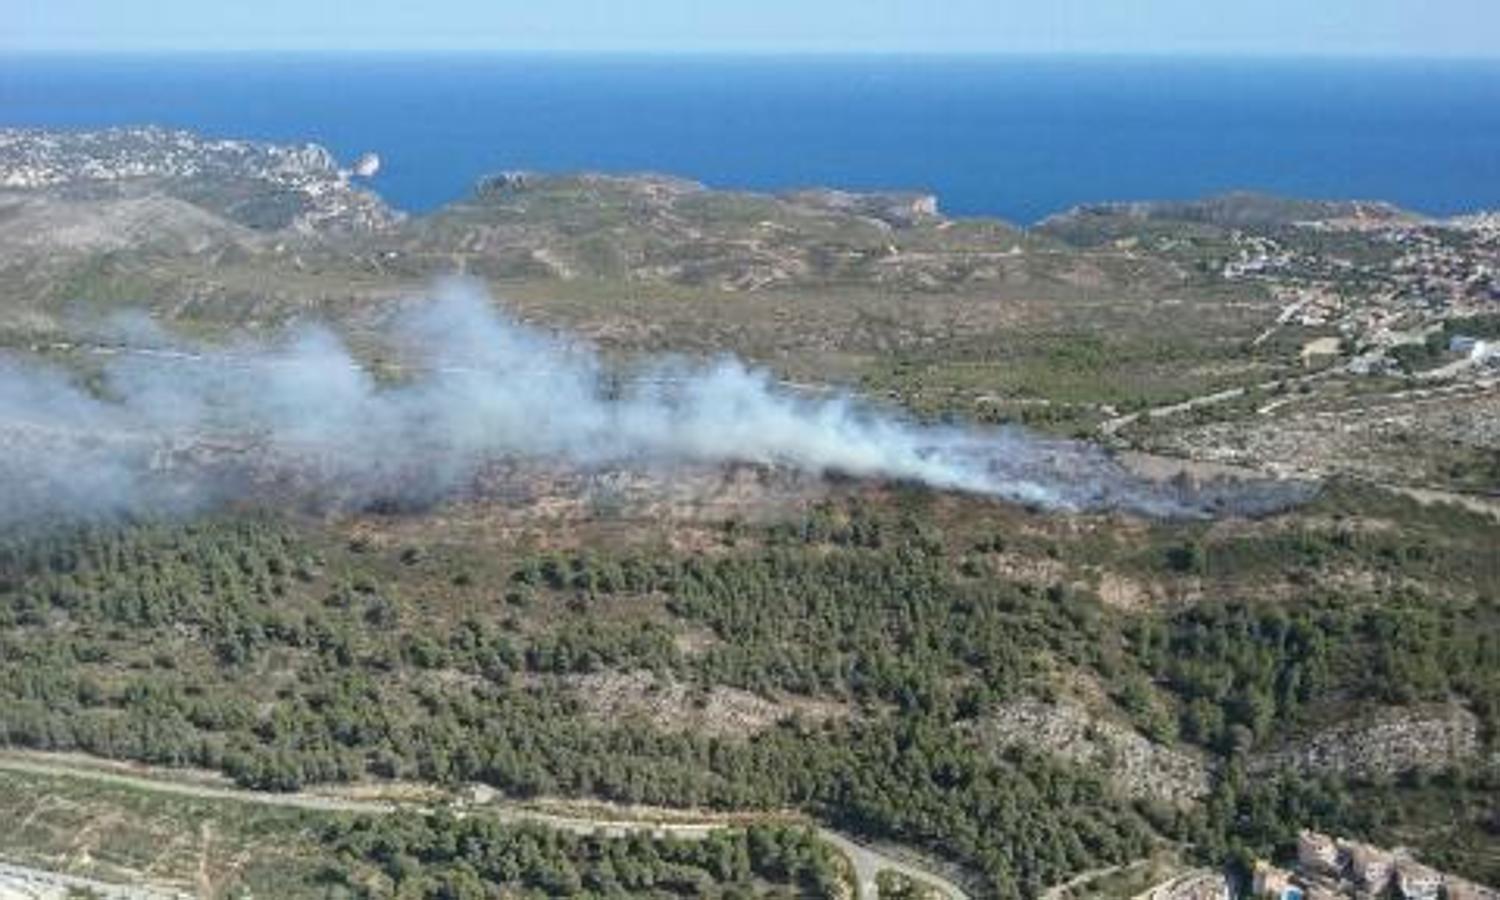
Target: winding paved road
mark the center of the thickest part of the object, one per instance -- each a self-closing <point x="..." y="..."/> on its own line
<point x="596" y="818"/>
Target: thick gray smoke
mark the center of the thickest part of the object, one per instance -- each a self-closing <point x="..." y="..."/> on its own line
<point x="175" y="428"/>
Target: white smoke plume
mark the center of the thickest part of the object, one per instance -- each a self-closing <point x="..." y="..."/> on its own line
<point x="175" y="428"/>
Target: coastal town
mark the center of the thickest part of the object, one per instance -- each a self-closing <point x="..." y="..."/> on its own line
<point x="296" y="186"/>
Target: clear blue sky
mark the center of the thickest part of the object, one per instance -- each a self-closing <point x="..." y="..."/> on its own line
<point x="1262" y="27"/>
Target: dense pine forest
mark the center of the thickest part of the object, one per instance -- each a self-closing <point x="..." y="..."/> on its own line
<point x="286" y="653"/>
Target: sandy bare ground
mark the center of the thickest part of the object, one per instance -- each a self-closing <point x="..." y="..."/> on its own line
<point x="27" y="883"/>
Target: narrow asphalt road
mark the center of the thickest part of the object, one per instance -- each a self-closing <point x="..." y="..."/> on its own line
<point x="596" y="818"/>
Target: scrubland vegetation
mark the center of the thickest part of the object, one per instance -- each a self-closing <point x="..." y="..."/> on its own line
<point x="839" y="661"/>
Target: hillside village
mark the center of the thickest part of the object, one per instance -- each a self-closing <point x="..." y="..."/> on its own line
<point x="1389" y="286"/>
<point x="1330" y="868"/>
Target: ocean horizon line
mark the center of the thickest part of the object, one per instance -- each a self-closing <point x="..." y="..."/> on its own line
<point x="1018" y="138"/>
<point x="809" y="54"/>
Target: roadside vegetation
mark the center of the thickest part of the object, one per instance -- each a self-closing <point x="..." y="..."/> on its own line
<point x="207" y="847"/>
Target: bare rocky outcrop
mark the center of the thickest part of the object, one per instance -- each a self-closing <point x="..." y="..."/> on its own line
<point x="42" y="227"/>
<point x="674" y="706"/>
<point x="1385" y="744"/>
<point x="1138" y="766"/>
<point x="900" y="209"/>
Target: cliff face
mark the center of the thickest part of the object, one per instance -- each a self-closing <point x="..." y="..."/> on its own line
<point x="1238" y="210"/>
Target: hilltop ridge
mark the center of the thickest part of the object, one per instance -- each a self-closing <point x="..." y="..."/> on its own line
<point x="1156" y="325"/>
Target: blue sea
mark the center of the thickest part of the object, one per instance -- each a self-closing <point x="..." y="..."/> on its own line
<point x="1016" y="138"/>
